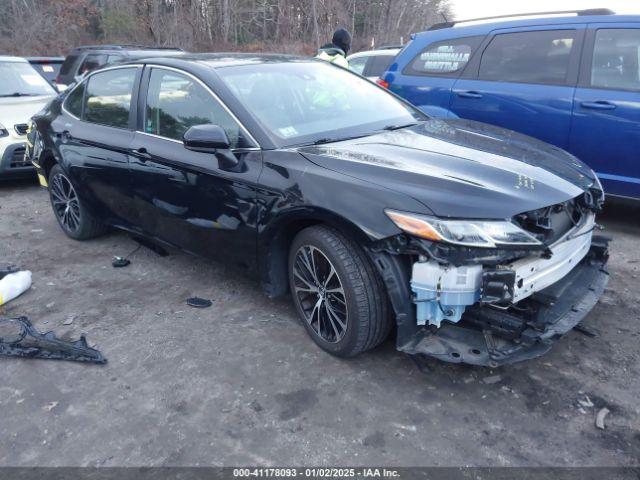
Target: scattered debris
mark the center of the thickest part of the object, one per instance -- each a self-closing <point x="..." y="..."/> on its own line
<point x="586" y="402"/>
<point x="600" y="417"/>
<point x="491" y="379"/>
<point x="585" y="331"/>
<point x="19" y="338"/>
<point x="198" y="302"/>
<point x="14" y="284"/>
<point x="255" y="406"/>
<point x="50" y="305"/>
<point x="69" y="320"/>
<point x="120" y="262"/>
<point x="50" y="406"/>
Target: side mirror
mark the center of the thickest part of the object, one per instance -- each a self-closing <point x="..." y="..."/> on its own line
<point x="206" y="139"/>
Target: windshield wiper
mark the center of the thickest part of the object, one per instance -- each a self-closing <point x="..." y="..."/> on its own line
<point x="19" y="94"/>
<point x="398" y="127"/>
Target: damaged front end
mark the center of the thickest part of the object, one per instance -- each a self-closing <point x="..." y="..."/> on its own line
<point x="491" y="293"/>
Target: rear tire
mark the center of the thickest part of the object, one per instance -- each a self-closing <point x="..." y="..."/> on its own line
<point x="338" y="293"/>
<point x="73" y="217"/>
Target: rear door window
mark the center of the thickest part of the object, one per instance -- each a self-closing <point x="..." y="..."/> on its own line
<point x="616" y="59"/>
<point x="176" y="102"/>
<point x="541" y="57"/>
<point x="446" y="58"/>
<point x="73" y="103"/>
<point x="108" y="98"/>
<point x="377" y="65"/>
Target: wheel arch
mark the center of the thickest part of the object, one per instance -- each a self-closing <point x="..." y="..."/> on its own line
<point x="275" y="241"/>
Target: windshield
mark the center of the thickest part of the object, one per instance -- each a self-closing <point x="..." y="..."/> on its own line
<point x="309" y="102"/>
<point x="20" y="79"/>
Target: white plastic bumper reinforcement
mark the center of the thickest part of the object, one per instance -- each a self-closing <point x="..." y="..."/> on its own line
<point x="535" y="274"/>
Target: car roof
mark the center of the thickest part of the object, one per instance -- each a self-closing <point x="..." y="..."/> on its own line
<point x="221" y="60"/>
<point x="45" y="59"/>
<point x="483" y="27"/>
<point x="368" y="53"/>
<point x="12" y="59"/>
<point x="122" y="47"/>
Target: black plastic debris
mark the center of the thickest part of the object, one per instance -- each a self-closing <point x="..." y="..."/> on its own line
<point x="120" y="262"/>
<point x="198" y="302"/>
<point x="19" y="338"/>
<point x="6" y="270"/>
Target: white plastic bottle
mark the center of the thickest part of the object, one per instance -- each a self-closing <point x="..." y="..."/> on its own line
<point x="13" y="285"/>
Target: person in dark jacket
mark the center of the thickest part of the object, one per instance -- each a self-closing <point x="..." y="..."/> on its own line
<point x="336" y="51"/>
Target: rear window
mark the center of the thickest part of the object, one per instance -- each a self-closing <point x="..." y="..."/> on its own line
<point x="378" y="64"/>
<point x="445" y="58"/>
<point x="529" y="57"/>
<point x="67" y="64"/>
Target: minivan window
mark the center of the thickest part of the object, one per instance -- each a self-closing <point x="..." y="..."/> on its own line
<point x="446" y="58"/>
<point x="176" y="102"/>
<point x="529" y="57"/>
<point x="108" y="99"/>
<point x="616" y="59"/>
<point x="73" y="103"/>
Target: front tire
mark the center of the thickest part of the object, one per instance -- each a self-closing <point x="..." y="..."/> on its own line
<point x="73" y="217"/>
<point x="337" y="292"/>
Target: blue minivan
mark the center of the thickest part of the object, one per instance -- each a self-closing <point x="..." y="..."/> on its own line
<point x="570" y="80"/>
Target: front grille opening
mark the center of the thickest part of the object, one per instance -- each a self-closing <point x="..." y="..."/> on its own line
<point x="18" y="159"/>
<point x="21" y="128"/>
<point x="549" y="224"/>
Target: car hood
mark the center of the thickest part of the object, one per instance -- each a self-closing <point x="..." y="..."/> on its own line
<point x="14" y="110"/>
<point x="461" y="168"/>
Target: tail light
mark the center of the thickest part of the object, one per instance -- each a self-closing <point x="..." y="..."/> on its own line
<point x="382" y="83"/>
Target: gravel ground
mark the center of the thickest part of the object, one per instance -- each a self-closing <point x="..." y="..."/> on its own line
<point x="241" y="383"/>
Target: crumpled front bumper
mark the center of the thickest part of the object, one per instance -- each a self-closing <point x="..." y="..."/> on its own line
<point x="561" y="306"/>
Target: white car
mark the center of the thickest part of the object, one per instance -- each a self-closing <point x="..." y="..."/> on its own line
<point x="23" y="93"/>
<point x="372" y="63"/>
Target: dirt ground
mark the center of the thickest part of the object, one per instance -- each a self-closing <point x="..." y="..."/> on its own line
<point x="241" y="383"/>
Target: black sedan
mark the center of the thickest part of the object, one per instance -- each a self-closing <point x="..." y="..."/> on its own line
<point x="476" y="242"/>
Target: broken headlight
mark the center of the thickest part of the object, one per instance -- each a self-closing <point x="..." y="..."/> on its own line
<point x="472" y="233"/>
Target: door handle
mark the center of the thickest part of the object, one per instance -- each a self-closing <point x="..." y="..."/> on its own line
<point x="64" y="135"/>
<point x="599" y="105"/>
<point x="469" y="94"/>
<point x="141" y="153"/>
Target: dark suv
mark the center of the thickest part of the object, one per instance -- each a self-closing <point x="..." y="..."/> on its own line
<point x="321" y="183"/>
<point x="82" y="60"/>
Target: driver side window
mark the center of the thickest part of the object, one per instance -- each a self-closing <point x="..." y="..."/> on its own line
<point x="176" y="102"/>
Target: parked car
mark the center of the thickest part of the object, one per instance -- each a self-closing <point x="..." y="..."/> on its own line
<point x="572" y="81"/>
<point x="321" y="183"/>
<point x="47" y="67"/>
<point x="85" y="59"/>
<point x="23" y="92"/>
<point x="372" y="63"/>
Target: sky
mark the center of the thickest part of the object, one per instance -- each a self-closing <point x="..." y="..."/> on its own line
<point x="465" y="9"/>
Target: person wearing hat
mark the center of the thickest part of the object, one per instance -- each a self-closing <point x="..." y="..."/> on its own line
<point x="336" y="51"/>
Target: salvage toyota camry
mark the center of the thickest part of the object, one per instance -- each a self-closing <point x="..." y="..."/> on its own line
<point x="476" y="242"/>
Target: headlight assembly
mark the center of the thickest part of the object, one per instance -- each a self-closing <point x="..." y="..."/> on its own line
<point x="472" y="233"/>
<point x="3" y="131"/>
